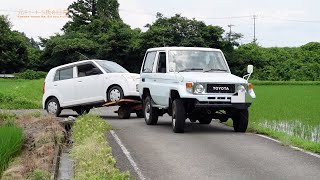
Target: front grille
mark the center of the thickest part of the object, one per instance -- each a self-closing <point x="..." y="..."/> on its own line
<point x="220" y="88"/>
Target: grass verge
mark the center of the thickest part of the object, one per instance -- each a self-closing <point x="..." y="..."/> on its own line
<point x="91" y="152"/>
<point x="20" y="94"/>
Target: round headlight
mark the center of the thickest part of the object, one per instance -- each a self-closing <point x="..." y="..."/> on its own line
<point x="199" y="88"/>
<point x="241" y="88"/>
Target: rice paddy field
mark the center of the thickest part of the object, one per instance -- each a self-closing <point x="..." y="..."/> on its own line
<point x="289" y="112"/>
<point x="20" y="94"/>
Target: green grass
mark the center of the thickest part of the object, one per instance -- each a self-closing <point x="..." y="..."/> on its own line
<point x="11" y="139"/>
<point x="91" y="152"/>
<point x="290" y="113"/>
<point x="20" y="94"/>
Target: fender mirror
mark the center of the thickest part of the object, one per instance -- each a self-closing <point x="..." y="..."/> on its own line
<point x="172" y="67"/>
<point x="250" y="69"/>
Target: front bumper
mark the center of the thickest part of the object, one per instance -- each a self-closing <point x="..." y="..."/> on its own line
<point x="222" y="105"/>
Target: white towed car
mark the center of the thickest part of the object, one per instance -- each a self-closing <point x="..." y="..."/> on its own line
<point x="83" y="85"/>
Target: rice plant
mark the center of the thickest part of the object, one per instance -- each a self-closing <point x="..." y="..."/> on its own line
<point x="11" y="139"/>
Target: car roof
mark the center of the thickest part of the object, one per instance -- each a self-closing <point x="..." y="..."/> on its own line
<point x="182" y="48"/>
<point x="78" y="62"/>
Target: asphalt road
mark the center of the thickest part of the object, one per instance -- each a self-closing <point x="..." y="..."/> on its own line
<point x="205" y="152"/>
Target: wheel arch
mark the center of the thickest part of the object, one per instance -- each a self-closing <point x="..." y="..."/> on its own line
<point x="145" y="93"/>
<point x="48" y="98"/>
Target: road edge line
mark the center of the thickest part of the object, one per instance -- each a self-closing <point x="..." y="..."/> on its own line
<point x="293" y="147"/>
<point x="127" y="153"/>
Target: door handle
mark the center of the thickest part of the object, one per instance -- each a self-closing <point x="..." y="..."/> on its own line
<point x="79" y="81"/>
<point x="55" y="85"/>
<point x="143" y="79"/>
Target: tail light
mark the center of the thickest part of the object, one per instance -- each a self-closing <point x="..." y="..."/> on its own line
<point x="43" y="87"/>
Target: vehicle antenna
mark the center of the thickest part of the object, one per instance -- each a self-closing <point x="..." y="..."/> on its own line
<point x="83" y="55"/>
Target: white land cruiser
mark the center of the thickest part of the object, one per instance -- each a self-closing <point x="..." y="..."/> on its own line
<point x="193" y="83"/>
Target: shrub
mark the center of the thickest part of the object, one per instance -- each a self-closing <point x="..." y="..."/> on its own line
<point x="30" y="74"/>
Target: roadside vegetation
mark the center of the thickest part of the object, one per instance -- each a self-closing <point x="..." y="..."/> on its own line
<point x="20" y="94"/>
<point x="91" y="152"/>
<point x="32" y="140"/>
<point x="288" y="112"/>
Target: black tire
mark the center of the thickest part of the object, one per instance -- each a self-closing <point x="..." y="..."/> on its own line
<point x="140" y="114"/>
<point x="53" y="107"/>
<point x="240" y="120"/>
<point x="114" y="88"/>
<point x="82" y="110"/>
<point x="178" y="116"/>
<point x="205" y="120"/>
<point x="151" y="114"/>
<point x="124" y="112"/>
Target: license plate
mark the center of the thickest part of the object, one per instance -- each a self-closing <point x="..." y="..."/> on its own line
<point x="220" y="88"/>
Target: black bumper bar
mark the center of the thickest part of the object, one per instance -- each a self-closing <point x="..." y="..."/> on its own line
<point x="222" y="105"/>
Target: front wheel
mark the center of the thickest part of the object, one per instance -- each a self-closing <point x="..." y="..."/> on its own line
<point x="53" y="107"/>
<point x="240" y="120"/>
<point x="178" y="116"/>
<point x="151" y="114"/>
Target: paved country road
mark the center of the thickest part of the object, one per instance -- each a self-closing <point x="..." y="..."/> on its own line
<point x="204" y="152"/>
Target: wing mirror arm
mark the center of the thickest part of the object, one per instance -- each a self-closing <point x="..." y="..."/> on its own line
<point x="250" y="71"/>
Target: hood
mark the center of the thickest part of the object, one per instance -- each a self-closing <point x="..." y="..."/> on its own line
<point x="211" y="77"/>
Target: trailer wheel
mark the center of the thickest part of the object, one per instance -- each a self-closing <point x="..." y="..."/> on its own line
<point x="124" y="112"/>
<point x="140" y="114"/>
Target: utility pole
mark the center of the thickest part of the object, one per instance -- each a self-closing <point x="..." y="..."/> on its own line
<point x="230" y="26"/>
<point x="254" y="29"/>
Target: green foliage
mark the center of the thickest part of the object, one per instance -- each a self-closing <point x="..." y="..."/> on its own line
<point x="20" y="94"/>
<point x="7" y="118"/>
<point x="278" y="64"/>
<point x="30" y="74"/>
<point x="89" y="137"/>
<point x="11" y="139"/>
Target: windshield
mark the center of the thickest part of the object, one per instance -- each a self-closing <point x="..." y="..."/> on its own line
<point x="195" y="60"/>
<point x="112" y="67"/>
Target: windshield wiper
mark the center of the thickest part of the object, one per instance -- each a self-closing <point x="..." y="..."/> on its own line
<point x="215" y="70"/>
<point x="190" y="69"/>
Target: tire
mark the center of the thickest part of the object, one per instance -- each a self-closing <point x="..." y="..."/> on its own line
<point x="240" y="120"/>
<point x="115" y="93"/>
<point x="53" y="107"/>
<point x="82" y="111"/>
<point x="140" y="114"/>
<point x="151" y="114"/>
<point x="124" y="112"/>
<point x="178" y="116"/>
<point x="205" y="120"/>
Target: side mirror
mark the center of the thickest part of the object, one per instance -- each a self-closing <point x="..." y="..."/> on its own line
<point x="250" y="69"/>
<point x="172" y="67"/>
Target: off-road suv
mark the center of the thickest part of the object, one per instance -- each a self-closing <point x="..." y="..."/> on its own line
<point x="193" y="83"/>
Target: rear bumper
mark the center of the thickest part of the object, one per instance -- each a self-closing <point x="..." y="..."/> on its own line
<point x="222" y="105"/>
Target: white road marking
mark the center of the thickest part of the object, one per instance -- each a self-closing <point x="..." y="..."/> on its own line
<point x="127" y="153"/>
<point x="293" y="147"/>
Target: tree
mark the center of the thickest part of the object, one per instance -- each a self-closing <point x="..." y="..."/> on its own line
<point x="71" y="47"/>
<point x="84" y="12"/>
<point x="13" y="48"/>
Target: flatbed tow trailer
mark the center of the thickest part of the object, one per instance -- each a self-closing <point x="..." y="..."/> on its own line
<point x="126" y="107"/>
